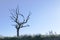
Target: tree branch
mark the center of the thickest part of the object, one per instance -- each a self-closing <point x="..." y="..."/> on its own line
<point x="24" y="26"/>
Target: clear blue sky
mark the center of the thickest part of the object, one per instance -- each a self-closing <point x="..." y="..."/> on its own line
<point x="45" y="16"/>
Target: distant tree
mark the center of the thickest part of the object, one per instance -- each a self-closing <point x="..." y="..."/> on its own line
<point x="15" y="15"/>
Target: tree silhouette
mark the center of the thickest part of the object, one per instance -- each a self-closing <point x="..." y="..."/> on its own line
<point x="18" y="23"/>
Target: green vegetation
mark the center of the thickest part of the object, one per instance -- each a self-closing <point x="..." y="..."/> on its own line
<point x="36" y="37"/>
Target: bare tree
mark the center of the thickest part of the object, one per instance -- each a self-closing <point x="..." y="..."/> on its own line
<point x="15" y="18"/>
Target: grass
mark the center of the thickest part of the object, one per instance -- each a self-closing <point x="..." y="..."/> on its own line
<point x="35" y="37"/>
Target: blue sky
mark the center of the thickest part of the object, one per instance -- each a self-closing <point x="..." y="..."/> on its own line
<point x="45" y="16"/>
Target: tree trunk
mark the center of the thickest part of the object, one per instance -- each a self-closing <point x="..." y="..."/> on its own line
<point x="17" y="32"/>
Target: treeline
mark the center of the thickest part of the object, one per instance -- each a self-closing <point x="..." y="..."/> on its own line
<point x="36" y="37"/>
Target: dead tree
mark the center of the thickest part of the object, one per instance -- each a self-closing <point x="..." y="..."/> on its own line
<point x="15" y="18"/>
